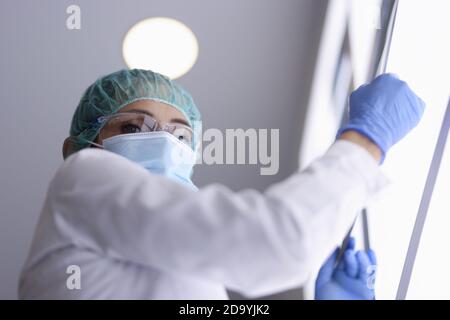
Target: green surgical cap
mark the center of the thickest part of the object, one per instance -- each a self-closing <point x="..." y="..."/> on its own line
<point x="111" y="93"/>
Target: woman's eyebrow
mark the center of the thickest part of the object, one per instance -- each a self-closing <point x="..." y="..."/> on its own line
<point x="140" y="111"/>
<point x="173" y="120"/>
<point x="181" y="121"/>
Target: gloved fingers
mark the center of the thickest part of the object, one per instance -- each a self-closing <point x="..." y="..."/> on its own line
<point x="341" y="265"/>
<point x="364" y="265"/>
<point x="421" y="109"/>
<point x="327" y="268"/>
<point x="351" y="244"/>
<point x="326" y="271"/>
<point x="391" y="74"/>
<point x="384" y="76"/>
<point x="361" y="87"/>
<point x="372" y="257"/>
<point x="351" y="264"/>
<point x="394" y="75"/>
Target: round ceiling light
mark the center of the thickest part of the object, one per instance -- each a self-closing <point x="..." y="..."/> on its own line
<point x="163" y="45"/>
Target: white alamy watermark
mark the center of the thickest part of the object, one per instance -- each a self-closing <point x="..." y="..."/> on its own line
<point x="371" y="271"/>
<point x="234" y="146"/>
<point x="73" y="21"/>
<point x="73" y="281"/>
<point x="241" y="146"/>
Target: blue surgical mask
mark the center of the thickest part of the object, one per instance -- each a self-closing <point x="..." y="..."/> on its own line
<point x="159" y="152"/>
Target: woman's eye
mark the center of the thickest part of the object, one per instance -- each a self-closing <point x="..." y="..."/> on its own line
<point x="130" y="128"/>
<point x="183" y="138"/>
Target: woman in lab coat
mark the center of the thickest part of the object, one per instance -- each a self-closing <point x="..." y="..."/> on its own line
<point x="123" y="220"/>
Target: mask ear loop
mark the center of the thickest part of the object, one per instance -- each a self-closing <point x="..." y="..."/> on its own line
<point x="95" y="144"/>
<point x="92" y="143"/>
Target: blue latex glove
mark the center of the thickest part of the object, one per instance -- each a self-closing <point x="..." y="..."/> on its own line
<point x="384" y="111"/>
<point x="352" y="279"/>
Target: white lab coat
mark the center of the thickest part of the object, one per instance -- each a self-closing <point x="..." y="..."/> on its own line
<point x="136" y="235"/>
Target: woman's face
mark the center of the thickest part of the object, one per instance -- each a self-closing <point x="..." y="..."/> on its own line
<point x="161" y="112"/>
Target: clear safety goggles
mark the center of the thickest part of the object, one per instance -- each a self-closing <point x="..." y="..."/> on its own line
<point x="134" y="122"/>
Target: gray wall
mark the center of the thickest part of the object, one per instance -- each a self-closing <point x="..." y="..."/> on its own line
<point x="254" y="71"/>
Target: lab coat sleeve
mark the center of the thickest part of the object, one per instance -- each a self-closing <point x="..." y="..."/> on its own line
<point x="251" y="242"/>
